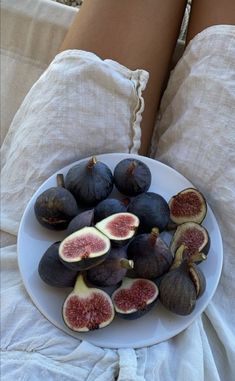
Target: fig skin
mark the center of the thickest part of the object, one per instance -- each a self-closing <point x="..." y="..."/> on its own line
<point x="108" y="207"/>
<point x="86" y="309"/>
<point x="55" y="208"/>
<point x="177" y="292"/>
<point x="52" y="271"/>
<point x="132" y="177"/>
<point x="142" y="307"/>
<point x="110" y="272"/>
<point x="82" y="260"/>
<point x="81" y="221"/>
<point x="152" y="211"/>
<point x="183" y="284"/>
<point x="90" y="182"/>
<point x="189" y="205"/>
<point x="150" y="254"/>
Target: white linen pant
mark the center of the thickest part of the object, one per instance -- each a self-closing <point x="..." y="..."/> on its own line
<point x="81" y="106"/>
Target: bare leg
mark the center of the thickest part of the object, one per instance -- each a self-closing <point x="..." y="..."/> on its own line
<point x="138" y="34"/>
<point x="206" y="13"/>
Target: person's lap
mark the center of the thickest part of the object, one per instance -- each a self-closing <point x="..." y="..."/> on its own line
<point x="194" y="134"/>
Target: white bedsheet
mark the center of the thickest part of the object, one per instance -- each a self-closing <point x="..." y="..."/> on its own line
<point x="190" y="138"/>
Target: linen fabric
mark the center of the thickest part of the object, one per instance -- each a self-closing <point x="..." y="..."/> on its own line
<point x="64" y="118"/>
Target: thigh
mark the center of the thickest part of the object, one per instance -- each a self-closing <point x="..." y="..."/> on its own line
<point x="136" y="33"/>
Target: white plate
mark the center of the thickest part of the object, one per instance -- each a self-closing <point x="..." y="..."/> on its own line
<point x="157" y="325"/>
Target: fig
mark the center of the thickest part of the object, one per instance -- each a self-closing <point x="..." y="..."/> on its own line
<point x="87" y="309"/>
<point x="150" y="254"/>
<point x="182" y="285"/>
<point x="188" y="205"/>
<point x="119" y="227"/>
<point x="89" y="182"/>
<point x="52" y="271"/>
<point x="108" y="207"/>
<point x="132" y="177"/>
<point x="193" y="235"/>
<point x="134" y="298"/>
<point x="112" y="270"/>
<point x="152" y="210"/>
<point x="84" y="248"/>
<point x="56" y="206"/>
<point x="81" y="221"/>
<point x="198" y="278"/>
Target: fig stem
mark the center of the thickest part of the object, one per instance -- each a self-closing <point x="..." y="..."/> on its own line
<point x="80" y="285"/>
<point x="178" y="257"/>
<point x="154" y="235"/>
<point x="126" y="263"/>
<point x="60" y="180"/>
<point x="196" y="257"/>
<point x="91" y="162"/>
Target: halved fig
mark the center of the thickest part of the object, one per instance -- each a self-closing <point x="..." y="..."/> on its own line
<point x="84" y="248"/>
<point x="134" y="298"/>
<point x="86" y="309"/>
<point x="193" y="235"/>
<point x="119" y="227"/>
<point x="188" y="205"/>
<point x="112" y="270"/>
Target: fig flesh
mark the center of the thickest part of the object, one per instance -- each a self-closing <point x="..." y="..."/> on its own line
<point x="81" y="221"/>
<point x="55" y="207"/>
<point x="188" y="205"/>
<point x="152" y="210"/>
<point x="112" y="270"/>
<point x="193" y="235"/>
<point x="150" y="254"/>
<point x="52" y="271"/>
<point x="132" y="177"/>
<point x="134" y="298"/>
<point x="108" y="207"/>
<point x="87" y="309"/>
<point x="90" y="182"/>
<point x="84" y="248"/>
<point x="119" y="227"/>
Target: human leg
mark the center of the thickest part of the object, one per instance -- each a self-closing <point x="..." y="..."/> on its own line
<point x="137" y="34"/>
<point x="205" y="13"/>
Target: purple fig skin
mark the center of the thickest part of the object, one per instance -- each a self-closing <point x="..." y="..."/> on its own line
<point x="109" y="272"/>
<point x="108" y="207"/>
<point x="177" y="291"/>
<point x="55" y="208"/>
<point x="52" y="271"/>
<point x="152" y="257"/>
<point x="152" y="211"/>
<point x="90" y="182"/>
<point x="132" y="177"/>
<point x="81" y="221"/>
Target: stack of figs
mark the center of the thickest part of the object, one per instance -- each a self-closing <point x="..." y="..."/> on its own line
<point x="113" y="256"/>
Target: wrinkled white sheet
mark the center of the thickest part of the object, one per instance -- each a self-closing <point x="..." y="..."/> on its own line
<point x="195" y="134"/>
